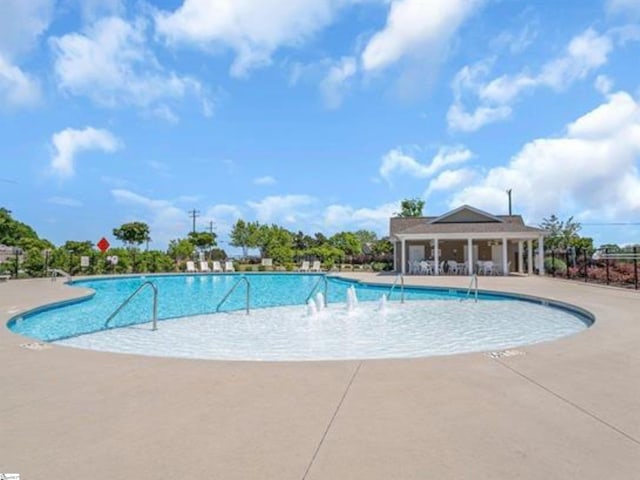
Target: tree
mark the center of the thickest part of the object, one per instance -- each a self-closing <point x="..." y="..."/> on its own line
<point x="562" y="234"/>
<point x="244" y="235"/>
<point x="180" y="249"/>
<point x="411" y="207"/>
<point x="203" y="241"/>
<point x="348" y="242"/>
<point x="367" y="239"/>
<point x="132" y="234"/>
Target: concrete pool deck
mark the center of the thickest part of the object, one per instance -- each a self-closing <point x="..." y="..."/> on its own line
<point x="561" y="410"/>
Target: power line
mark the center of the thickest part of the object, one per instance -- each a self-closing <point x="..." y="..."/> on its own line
<point x="611" y="224"/>
<point x="194" y="214"/>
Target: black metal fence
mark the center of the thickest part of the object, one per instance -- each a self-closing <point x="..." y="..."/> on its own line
<point x="605" y="266"/>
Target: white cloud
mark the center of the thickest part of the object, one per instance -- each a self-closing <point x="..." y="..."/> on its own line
<point x="112" y="65"/>
<point x="593" y="168"/>
<point x="65" y="201"/>
<point x="334" y="84"/>
<point x="282" y="208"/>
<point x="70" y="142"/>
<point x="254" y="31"/>
<point x="21" y="23"/>
<point x="266" y="180"/>
<point x="338" y="217"/>
<point x="584" y="54"/>
<point x="624" y="7"/>
<point x="396" y="162"/>
<point x="166" y="221"/>
<point x="603" y="84"/>
<point x="415" y="28"/>
<point x="449" y="179"/>
<point x="223" y="217"/>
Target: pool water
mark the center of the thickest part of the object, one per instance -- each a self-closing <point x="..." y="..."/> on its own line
<point x="431" y="322"/>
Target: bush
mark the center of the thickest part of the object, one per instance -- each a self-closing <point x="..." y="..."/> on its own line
<point x="555" y="265"/>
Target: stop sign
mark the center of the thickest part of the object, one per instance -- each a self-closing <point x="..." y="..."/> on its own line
<point x="103" y="245"/>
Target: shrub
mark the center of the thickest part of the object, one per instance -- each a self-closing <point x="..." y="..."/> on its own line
<point x="555" y="265"/>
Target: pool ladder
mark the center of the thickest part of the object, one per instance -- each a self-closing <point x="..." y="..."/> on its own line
<point x="126" y="302"/>
<point x="231" y="290"/>
<point x="400" y="278"/>
<point x="473" y="284"/>
<point x="323" y="278"/>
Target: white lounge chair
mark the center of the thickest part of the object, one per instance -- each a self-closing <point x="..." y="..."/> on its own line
<point x="228" y="266"/>
<point x="204" y="266"/>
<point x="267" y="262"/>
<point x="216" y="266"/>
<point x="304" y="267"/>
<point x="316" y="267"/>
<point x="191" y="267"/>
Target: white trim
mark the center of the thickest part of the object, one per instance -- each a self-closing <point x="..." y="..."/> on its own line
<point x="403" y="256"/>
<point x="530" y="257"/>
<point x="541" y="255"/>
<point x="436" y="257"/>
<point x="520" y="256"/>
<point x="505" y="258"/>
<point x="470" y="208"/>
<point x="473" y="235"/>
<point x="470" y="256"/>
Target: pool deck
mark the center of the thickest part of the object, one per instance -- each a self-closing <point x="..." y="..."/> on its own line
<point x="567" y="409"/>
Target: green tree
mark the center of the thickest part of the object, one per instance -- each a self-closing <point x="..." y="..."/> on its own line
<point x="132" y="234"/>
<point x="348" y="242"/>
<point x="245" y="235"/>
<point x="562" y="234"/>
<point x="411" y="207"/>
<point x="203" y="241"/>
<point x="180" y="249"/>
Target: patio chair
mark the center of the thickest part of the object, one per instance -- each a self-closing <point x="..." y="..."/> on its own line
<point x="204" y="266"/>
<point x="228" y="266"/>
<point x="267" y="263"/>
<point x="425" y="268"/>
<point x="488" y="268"/>
<point x="216" y="266"/>
<point x="191" y="267"/>
<point x="316" y="266"/>
<point x="304" y="267"/>
<point x="453" y="267"/>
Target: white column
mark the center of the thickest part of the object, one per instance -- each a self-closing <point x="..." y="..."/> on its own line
<point x="520" y="257"/>
<point x="541" y="255"/>
<point x="505" y="257"/>
<point x="403" y="269"/>
<point x="530" y="257"/>
<point x="470" y="256"/>
<point x="395" y="259"/>
<point x="436" y="257"/>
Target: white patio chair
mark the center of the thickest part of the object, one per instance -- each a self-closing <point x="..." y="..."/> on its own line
<point x="304" y="267"/>
<point x="204" y="266"/>
<point x="425" y="268"/>
<point x="316" y="267"/>
<point x="228" y="266"/>
<point x="216" y="266"/>
<point x="191" y="267"/>
<point x="453" y="266"/>
<point x="488" y="268"/>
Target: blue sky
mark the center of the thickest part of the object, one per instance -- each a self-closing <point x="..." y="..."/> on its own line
<point x="319" y="115"/>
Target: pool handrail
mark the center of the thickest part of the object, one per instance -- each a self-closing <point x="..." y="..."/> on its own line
<point x="54" y="272"/>
<point x="231" y="290"/>
<point x="400" y="277"/>
<point x="323" y="278"/>
<point x="126" y="302"/>
<point x="473" y="283"/>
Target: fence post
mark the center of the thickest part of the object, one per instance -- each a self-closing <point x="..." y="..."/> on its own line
<point x="553" y="262"/>
<point x="635" y="267"/>
<point x="606" y="262"/>
<point x="584" y="256"/>
<point x="566" y="255"/>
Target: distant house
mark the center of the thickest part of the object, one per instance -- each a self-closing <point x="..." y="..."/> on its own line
<point x="467" y="237"/>
<point x="9" y="253"/>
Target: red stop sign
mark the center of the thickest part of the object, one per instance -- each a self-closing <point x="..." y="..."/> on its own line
<point x="103" y="244"/>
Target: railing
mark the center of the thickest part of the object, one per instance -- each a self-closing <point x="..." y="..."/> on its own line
<point x="323" y="278"/>
<point x="399" y="277"/>
<point x="126" y="302"/>
<point x="54" y="272"/>
<point x="472" y="284"/>
<point x="231" y="290"/>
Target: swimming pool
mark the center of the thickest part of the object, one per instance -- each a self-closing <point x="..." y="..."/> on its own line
<point x="433" y="320"/>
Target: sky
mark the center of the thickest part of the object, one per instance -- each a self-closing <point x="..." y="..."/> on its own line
<point x="317" y="115"/>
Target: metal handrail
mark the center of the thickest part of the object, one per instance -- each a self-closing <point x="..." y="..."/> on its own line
<point x="400" y="277"/>
<point x="125" y="303"/>
<point x="231" y="290"/>
<point x="56" y="271"/>
<point x="472" y="283"/>
<point x="323" y="278"/>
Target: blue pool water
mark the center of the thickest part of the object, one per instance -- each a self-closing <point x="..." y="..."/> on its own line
<point x="433" y="321"/>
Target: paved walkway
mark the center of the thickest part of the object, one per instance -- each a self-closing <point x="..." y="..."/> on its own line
<point x="568" y="409"/>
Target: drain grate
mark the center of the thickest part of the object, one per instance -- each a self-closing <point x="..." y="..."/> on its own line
<point x="504" y="353"/>
<point x="35" y="346"/>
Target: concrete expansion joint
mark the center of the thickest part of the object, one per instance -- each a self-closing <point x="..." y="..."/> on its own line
<point x="333" y="417"/>
<point x="568" y="402"/>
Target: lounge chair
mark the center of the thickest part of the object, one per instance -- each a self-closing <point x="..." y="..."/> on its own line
<point x="304" y="267"/>
<point x="316" y="266"/>
<point x="216" y="266"/>
<point x="191" y="267"/>
<point x="267" y="263"/>
<point x="228" y="266"/>
<point x="204" y="266"/>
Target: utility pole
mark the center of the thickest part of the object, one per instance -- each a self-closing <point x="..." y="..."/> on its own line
<point x="509" y="194"/>
<point x="194" y="214"/>
<point x="211" y="227"/>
